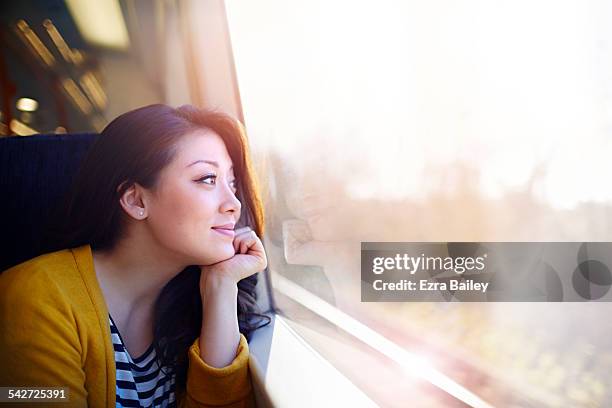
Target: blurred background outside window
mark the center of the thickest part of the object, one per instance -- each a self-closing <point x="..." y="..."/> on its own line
<point x="435" y="121"/>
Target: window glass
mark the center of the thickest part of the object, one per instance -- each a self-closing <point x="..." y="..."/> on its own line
<point x="435" y="121"/>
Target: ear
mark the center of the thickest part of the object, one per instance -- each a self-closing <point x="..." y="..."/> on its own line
<point x="133" y="202"/>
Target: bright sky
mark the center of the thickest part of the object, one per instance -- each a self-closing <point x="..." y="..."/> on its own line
<point x="518" y="90"/>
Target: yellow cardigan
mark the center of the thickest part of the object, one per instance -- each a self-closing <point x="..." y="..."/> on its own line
<point x="54" y="331"/>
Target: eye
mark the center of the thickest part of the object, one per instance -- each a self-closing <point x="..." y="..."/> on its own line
<point x="202" y="180"/>
<point x="211" y="179"/>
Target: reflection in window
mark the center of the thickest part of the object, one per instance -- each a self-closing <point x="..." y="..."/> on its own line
<point x="438" y="121"/>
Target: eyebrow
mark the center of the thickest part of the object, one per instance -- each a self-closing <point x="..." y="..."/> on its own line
<point x="212" y="162"/>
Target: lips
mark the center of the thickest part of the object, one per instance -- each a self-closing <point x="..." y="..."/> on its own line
<point x="229" y="226"/>
<point x="225" y="229"/>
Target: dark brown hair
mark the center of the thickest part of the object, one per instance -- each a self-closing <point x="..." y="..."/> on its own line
<point x="134" y="148"/>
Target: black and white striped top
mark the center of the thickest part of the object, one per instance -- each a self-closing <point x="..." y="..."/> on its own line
<point x="140" y="382"/>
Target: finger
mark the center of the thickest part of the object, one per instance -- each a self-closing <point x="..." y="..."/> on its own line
<point x="248" y="241"/>
<point x="241" y="230"/>
<point x="238" y="236"/>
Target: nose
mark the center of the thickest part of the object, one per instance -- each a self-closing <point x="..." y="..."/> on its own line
<point x="230" y="202"/>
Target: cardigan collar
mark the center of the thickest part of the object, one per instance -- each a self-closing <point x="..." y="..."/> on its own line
<point x="84" y="261"/>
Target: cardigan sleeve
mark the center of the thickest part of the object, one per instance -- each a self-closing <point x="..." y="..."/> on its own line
<point x="39" y="345"/>
<point x="228" y="386"/>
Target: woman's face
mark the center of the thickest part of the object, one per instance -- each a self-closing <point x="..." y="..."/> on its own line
<point x="194" y="194"/>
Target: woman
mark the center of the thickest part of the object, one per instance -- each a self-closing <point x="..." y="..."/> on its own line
<point x="149" y="279"/>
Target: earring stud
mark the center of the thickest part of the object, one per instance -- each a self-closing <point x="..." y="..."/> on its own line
<point x="141" y="213"/>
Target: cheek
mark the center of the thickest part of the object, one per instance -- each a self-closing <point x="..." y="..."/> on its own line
<point x="182" y="224"/>
<point x="184" y="214"/>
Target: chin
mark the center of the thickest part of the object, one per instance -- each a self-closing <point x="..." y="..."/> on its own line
<point x="220" y="253"/>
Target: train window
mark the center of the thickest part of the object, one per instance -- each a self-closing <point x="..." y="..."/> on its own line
<point x="432" y="121"/>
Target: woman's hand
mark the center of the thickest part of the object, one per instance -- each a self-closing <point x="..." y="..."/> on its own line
<point x="249" y="259"/>
<point x="220" y="335"/>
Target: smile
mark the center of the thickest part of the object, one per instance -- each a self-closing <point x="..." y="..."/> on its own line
<point x="224" y="231"/>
